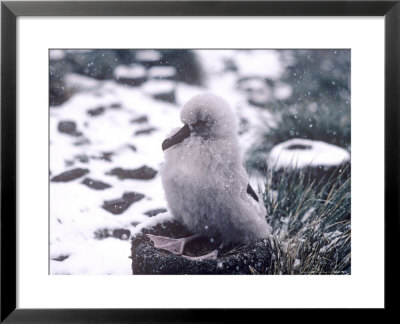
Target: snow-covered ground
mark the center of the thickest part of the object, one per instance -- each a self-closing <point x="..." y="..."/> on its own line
<point x="122" y="126"/>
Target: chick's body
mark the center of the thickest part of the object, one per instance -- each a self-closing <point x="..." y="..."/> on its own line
<point x="204" y="181"/>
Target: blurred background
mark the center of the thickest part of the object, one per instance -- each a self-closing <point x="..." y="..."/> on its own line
<point x="111" y="109"/>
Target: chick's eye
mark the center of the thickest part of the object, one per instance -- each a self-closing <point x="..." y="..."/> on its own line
<point x="199" y="124"/>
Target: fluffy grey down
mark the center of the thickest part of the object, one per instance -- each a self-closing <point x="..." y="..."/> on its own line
<point x="204" y="180"/>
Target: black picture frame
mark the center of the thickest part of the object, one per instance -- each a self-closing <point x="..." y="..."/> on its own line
<point x="10" y="10"/>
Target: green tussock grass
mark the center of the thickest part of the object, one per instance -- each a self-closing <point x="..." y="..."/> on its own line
<point x="323" y="123"/>
<point x="311" y="219"/>
<point x="311" y="225"/>
<point x="318" y="108"/>
<point x="326" y="123"/>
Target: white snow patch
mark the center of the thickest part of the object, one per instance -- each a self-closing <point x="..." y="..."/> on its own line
<point x="282" y="91"/>
<point x="132" y="71"/>
<point x="300" y="153"/>
<point x="56" y="54"/>
<point x="148" y="55"/>
<point x="263" y="63"/>
<point x="307" y="214"/>
<point x="153" y="221"/>
<point x="154" y="87"/>
<point x="161" y="72"/>
<point x="81" y="82"/>
<point x="95" y="257"/>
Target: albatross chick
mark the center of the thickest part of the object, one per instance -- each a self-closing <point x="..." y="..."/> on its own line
<point x="205" y="183"/>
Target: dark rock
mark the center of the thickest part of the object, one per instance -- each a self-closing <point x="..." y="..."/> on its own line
<point x="131" y="75"/>
<point x="253" y="258"/>
<point x="118" y="206"/>
<point x="259" y="91"/>
<point x="101" y="234"/>
<point x="132" y="82"/>
<point x="148" y="58"/>
<point x="154" y="212"/>
<point x="83" y="141"/>
<point x="162" y="72"/>
<point x="140" y="120"/>
<point x="96" y="111"/>
<point x="96" y="185"/>
<point x="61" y="258"/>
<point x="68" y="127"/>
<point x="69" y="163"/>
<point x="167" y="97"/>
<point x="230" y="65"/>
<point x="132" y="147"/>
<point x="83" y="63"/>
<point x="116" y="105"/>
<point x="143" y="173"/>
<point x="299" y="147"/>
<point x="243" y="126"/>
<point x="83" y="158"/>
<point x="186" y="63"/>
<point x="119" y="233"/>
<point x="145" y="131"/>
<point x="59" y="92"/>
<point x="163" y="90"/>
<point x="106" y="156"/>
<point x="70" y="175"/>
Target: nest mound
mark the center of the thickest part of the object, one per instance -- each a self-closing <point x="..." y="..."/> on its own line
<point x="235" y="259"/>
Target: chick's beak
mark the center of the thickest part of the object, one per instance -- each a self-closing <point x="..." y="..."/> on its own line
<point x="183" y="133"/>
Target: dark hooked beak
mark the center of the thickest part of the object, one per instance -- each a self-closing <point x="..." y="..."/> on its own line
<point x="183" y="133"/>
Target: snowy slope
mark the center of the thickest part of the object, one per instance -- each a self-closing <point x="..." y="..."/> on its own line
<point x="119" y="126"/>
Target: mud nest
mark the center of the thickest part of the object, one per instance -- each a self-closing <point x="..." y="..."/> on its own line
<point x="254" y="258"/>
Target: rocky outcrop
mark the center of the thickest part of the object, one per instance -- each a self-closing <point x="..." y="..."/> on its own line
<point x="94" y="184"/>
<point x="119" y="205"/>
<point x="68" y="127"/>
<point x="142" y="173"/>
<point x="70" y="175"/>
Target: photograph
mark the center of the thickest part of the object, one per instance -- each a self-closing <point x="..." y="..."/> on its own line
<point x="199" y="161"/>
<point x="175" y="146"/>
